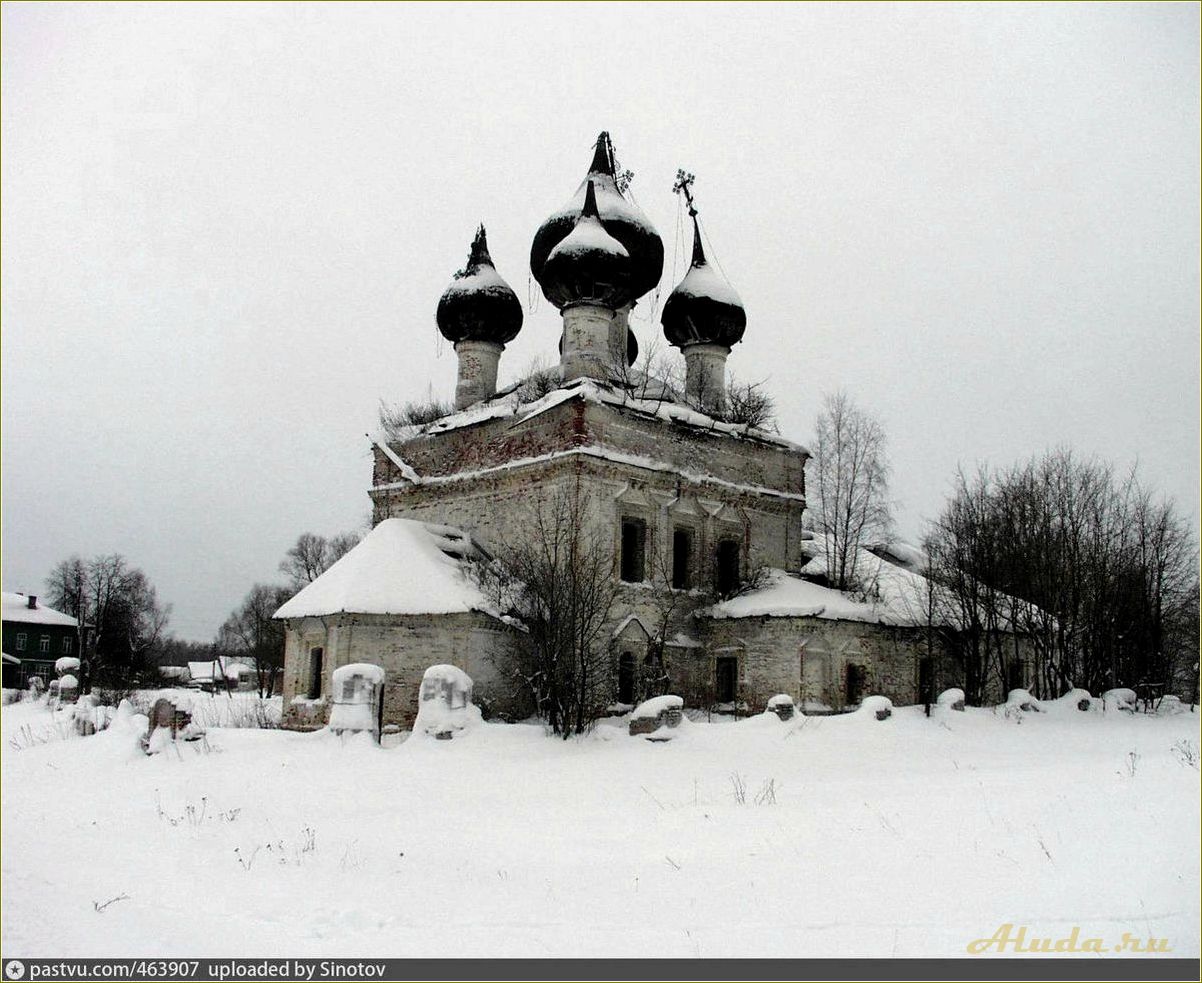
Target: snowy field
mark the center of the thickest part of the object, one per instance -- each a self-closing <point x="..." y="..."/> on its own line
<point x="856" y="837"/>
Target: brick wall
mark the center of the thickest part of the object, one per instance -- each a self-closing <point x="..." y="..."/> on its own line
<point x="404" y="647"/>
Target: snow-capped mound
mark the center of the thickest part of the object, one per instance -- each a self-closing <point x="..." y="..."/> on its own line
<point x="877" y="707"/>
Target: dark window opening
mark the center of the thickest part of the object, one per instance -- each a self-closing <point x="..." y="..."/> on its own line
<point x="1014" y="675"/>
<point x="728" y="574"/>
<point x="926" y="680"/>
<point x="626" y="678"/>
<point x="682" y="559"/>
<point x="315" y="660"/>
<point x="726" y="678"/>
<point x="634" y="548"/>
<point x="855" y="683"/>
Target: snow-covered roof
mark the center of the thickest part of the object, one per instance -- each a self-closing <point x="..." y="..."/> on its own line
<point x="206" y="672"/>
<point x="16" y="608"/>
<point x="11" y="660"/>
<point x="509" y="404"/>
<point x="400" y="567"/>
<point x="891" y="594"/>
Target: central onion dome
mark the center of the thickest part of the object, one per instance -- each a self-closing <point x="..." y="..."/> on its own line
<point x="479" y="305"/>
<point x="588" y="265"/>
<point x="703" y="309"/>
<point x="622" y="219"/>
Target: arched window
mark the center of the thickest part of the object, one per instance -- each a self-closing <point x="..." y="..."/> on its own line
<point x="315" y="667"/>
<point x="682" y="558"/>
<point x="626" y="677"/>
<point x="728" y="574"/>
<point x="634" y="549"/>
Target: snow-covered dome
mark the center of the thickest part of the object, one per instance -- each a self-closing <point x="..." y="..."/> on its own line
<point x="588" y="266"/>
<point x="704" y="308"/>
<point x="621" y="218"/>
<point x="479" y="305"/>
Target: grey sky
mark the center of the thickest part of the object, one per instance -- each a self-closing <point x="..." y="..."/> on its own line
<point x="225" y="231"/>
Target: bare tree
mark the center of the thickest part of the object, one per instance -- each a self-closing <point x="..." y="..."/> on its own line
<point x="250" y="633"/>
<point x="125" y="623"/>
<point x="313" y="555"/>
<point x="849" y="490"/>
<point x="1097" y="576"/>
<point x="749" y="404"/>
<point x="560" y="575"/>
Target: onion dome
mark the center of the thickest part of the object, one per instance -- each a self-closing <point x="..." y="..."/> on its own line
<point x="622" y="219"/>
<point x="479" y="305"/>
<point x="703" y="309"/>
<point x="588" y="265"/>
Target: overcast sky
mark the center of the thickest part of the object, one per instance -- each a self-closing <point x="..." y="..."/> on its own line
<point x="225" y="231"/>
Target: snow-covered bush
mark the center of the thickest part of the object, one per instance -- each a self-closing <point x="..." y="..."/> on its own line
<point x="1120" y="699"/>
<point x="88" y="716"/>
<point x="1021" y="699"/>
<point x="1074" y="699"/>
<point x="65" y="665"/>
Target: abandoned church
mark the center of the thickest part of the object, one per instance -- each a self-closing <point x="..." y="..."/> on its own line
<point x="719" y="589"/>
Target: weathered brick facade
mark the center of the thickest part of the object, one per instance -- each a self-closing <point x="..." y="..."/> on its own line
<point x="404" y="647"/>
<point x="487" y="474"/>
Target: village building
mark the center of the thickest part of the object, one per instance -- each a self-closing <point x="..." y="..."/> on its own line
<point x="695" y="506"/>
<point x="35" y="638"/>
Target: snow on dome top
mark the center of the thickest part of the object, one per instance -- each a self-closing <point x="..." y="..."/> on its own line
<point x="703" y="308"/>
<point x="622" y="219"/>
<point x="400" y="567"/>
<point x="479" y="305"/>
<point x="588" y="266"/>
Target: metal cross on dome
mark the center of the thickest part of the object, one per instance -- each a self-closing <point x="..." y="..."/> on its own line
<point x="684" y="185"/>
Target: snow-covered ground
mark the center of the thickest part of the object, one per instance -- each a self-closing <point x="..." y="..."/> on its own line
<point x="855" y="836"/>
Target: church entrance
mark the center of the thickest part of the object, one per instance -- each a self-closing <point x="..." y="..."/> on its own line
<point x="726" y="672"/>
<point x="626" y="678"/>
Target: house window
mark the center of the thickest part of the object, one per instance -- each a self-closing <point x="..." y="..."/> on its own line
<point x="682" y="559"/>
<point x="315" y="660"/>
<point x="21" y="637"/>
<point x="728" y="573"/>
<point x="66" y="645"/>
<point x="726" y="678"/>
<point x="44" y="644"/>
<point x="634" y="550"/>
<point x="855" y="684"/>
<point x="626" y="677"/>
